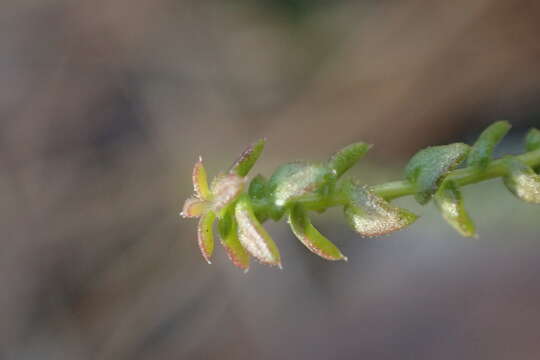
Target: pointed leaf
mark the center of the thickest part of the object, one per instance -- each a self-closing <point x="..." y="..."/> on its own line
<point x="298" y="181"/>
<point x="247" y="159"/>
<point x="371" y="215"/>
<point x="532" y="140"/>
<point x="228" y="230"/>
<point x="253" y="236"/>
<point x="225" y="189"/>
<point x="194" y="207"/>
<point x="205" y="235"/>
<point x="200" y="183"/>
<point x="482" y="150"/>
<point x="310" y="237"/>
<point x="427" y="169"/>
<point x="344" y="159"/>
<point x="450" y="202"/>
<point x="522" y="181"/>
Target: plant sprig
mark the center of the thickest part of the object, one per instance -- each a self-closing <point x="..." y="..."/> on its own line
<point x="294" y="189"/>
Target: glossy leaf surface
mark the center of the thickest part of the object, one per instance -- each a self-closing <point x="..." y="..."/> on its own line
<point x="344" y="159"/>
<point x="522" y="181"/>
<point x="450" y="203"/>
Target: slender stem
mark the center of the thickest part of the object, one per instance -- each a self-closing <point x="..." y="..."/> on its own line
<point x="464" y="176"/>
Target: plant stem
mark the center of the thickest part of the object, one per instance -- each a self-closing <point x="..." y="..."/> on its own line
<point x="464" y="176"/>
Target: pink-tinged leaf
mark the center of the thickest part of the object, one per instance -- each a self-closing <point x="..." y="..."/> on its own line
<point x="194" y="207"/>
<point x="311" y="237"/>
<point x="247" y="159"/>
<point x="371" y="215"/>
<point x="200" y="182"/>
<point x="205" y="235"/>
<point x="253" y="236"/>
<point x="226" y="189"/>
<point x="228" y="230"/>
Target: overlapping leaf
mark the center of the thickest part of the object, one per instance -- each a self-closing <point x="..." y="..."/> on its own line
<point x="427" y="169"/>
<point x="228" y="231"/>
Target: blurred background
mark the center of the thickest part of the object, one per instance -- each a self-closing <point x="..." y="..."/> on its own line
<point x="106" y="105"/>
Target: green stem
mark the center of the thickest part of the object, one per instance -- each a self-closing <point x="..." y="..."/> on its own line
<point x="462" y="177"/>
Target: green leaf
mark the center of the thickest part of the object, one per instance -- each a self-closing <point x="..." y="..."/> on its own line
<point x="522" y="181"/>
<point x="482" y="150"/>
<point x="253" y="236"/>
<point x="257" y="187"/>
<point x="247" y="159"/>
<point x="371" y="215"/>
<point x="205" y="235"/>
<point x="297" y="181"/>
<point x="427" y="169"/>
<point x="200" y="182"/>
<point x="345" y="158"/>
<point x="311" y="237"/>
<point x="450" y="203"/>
<point x="532" y="140"/>
<point x="228" y="231"/>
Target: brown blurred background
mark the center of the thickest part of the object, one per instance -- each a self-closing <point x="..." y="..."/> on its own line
<point x="106" y="104"/>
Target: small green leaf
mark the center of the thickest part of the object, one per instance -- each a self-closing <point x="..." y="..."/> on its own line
<point x="532" y="140"/>
<point x="228" y="231"/>
<point x="200" y="183"/>
<point x="427" y="169"/>
<point x="298" y="181"/>
<point x="522" y="181"/>
<point x="311" y="237"/>
<point x="450" y="203"/>
<point x="345" y="158"/>
<point x="194" y="207"/>
<point x="371" y="215"/>
<point x="247" y="159"/>
<point x="482" y="150"/>
<point x="253" y="236"/>
<point x="257" y="187"/>
<point x="225" y="189"/>
<point x="205" y="235"/>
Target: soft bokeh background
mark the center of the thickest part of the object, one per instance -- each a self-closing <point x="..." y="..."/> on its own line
<point x="106" y="104"/>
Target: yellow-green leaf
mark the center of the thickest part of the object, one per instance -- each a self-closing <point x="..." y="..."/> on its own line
<point x="205" y="235"/>
<point x="311" y="237"/>
<point x="247" y="159"/>
<point x="194" y="207"/>
<point x="228" y="230"/>
<point x="200" y="183"/>
<point x="450" y="203"/>
<point x="482" y="150"/>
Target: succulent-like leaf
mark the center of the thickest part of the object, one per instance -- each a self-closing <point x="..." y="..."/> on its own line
<point x="205" y="235"/>
<point x="228" y="231"/>
<point x="345" y="158"/>
<point x="482" y="150"/>
<point x="295" y="181"/>
<point x="532" y="140"/>
<point x="194" y="207"/>
<point x="257" y="187"/>
<point x="253" y="236"/>
<point x="371" y="215"/>
<point x="225" y="189"/>
<point x="427" y="169"/>
<point x="247" y="159"/>
<point x="522" y="181"/>
<point x="200" y="182"/>
<point x="450" y="203"/>
<point x="311" y="237"/>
